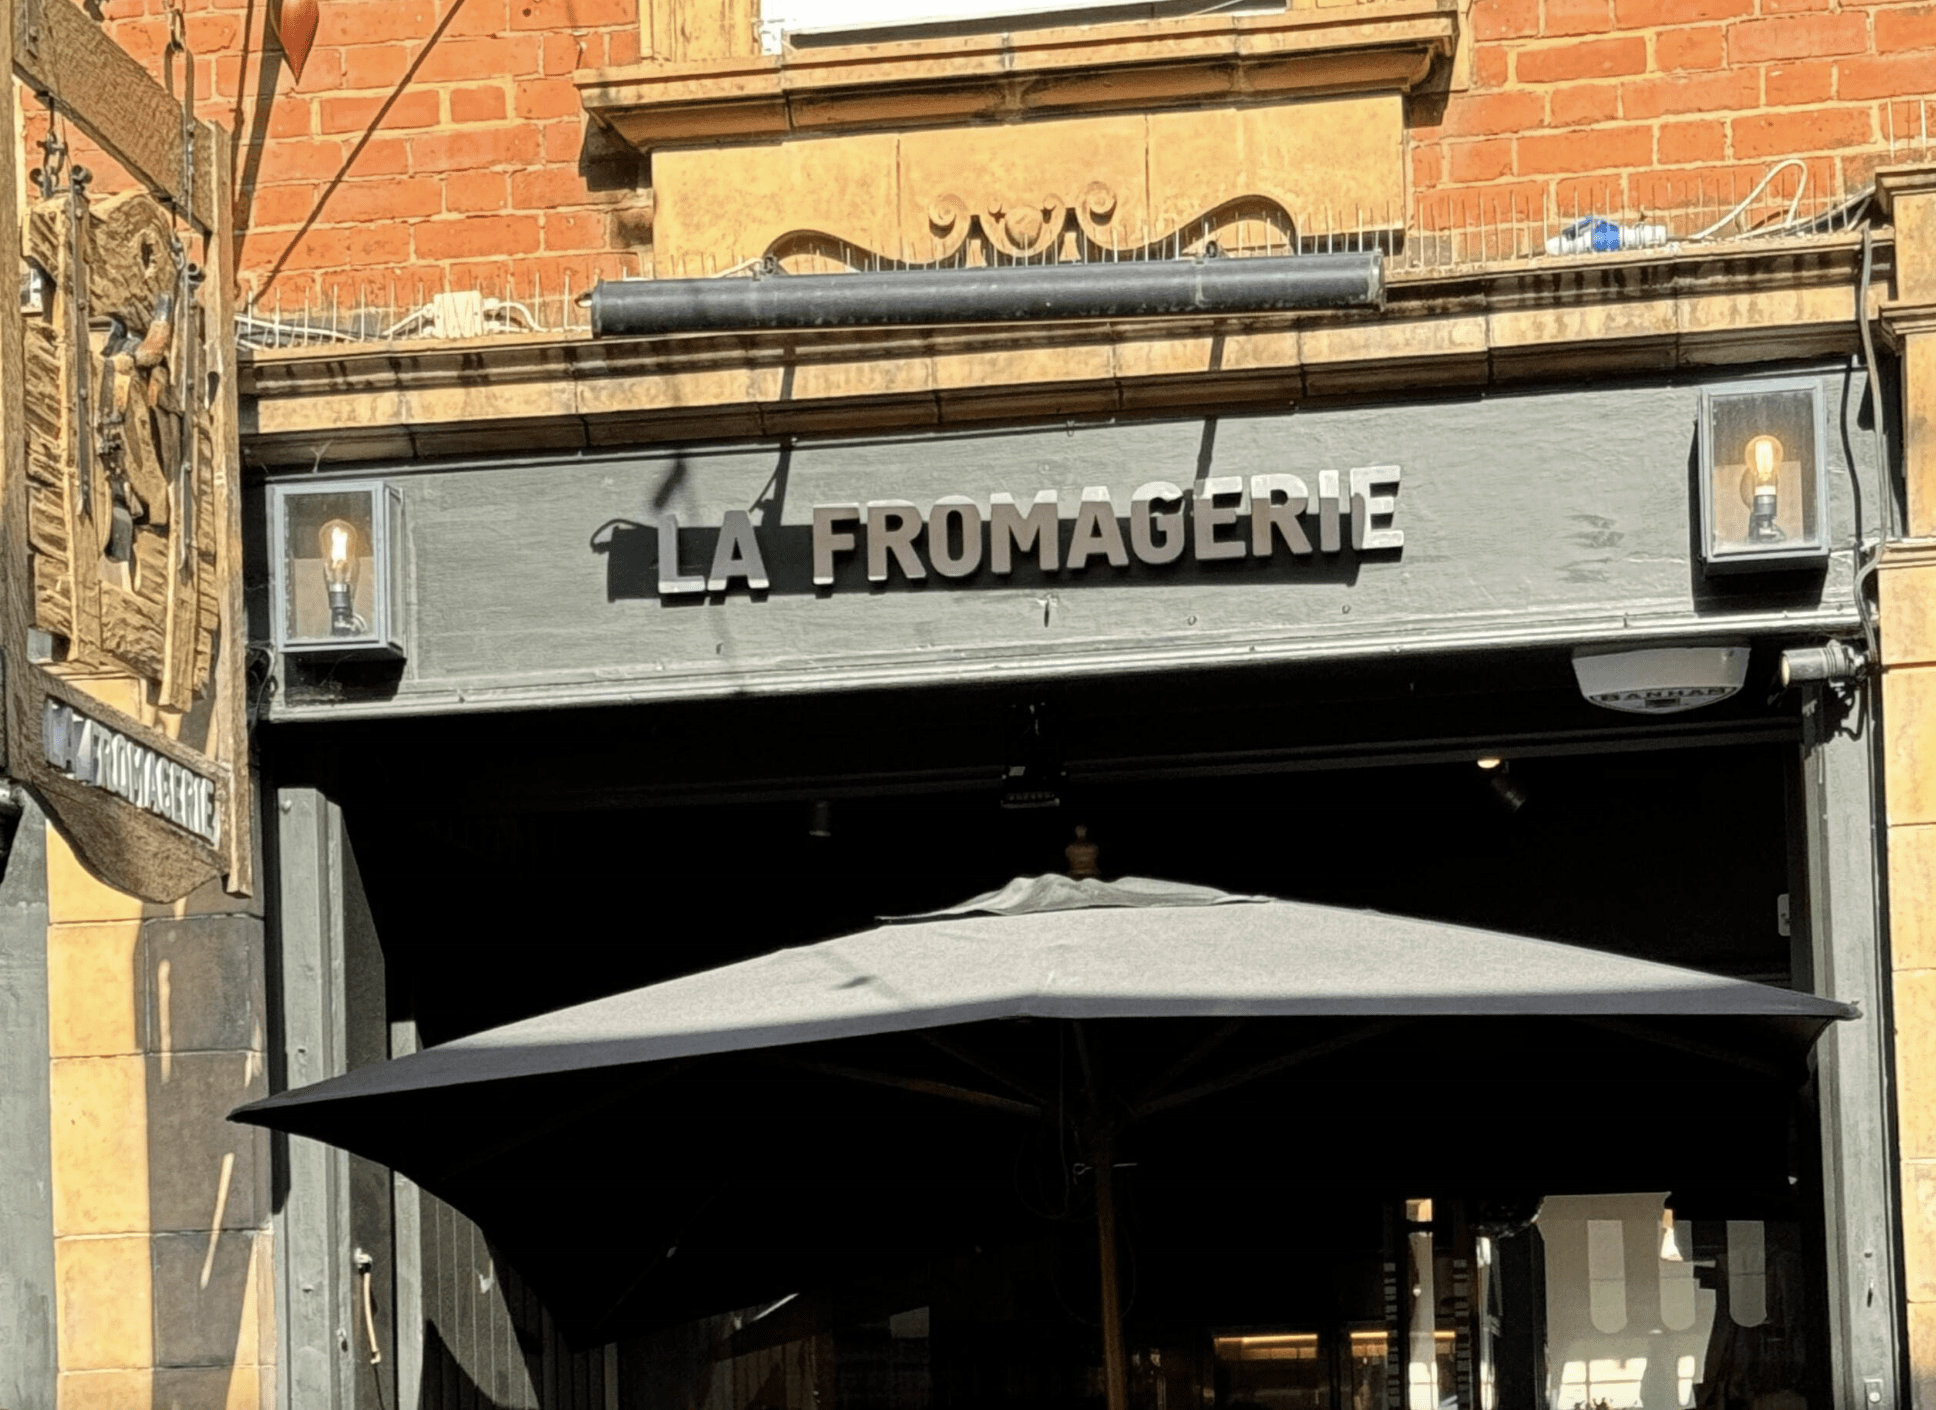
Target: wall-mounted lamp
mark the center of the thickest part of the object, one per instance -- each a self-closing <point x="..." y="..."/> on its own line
<point x="1764" y="488"/>
<point x="337" y="569"/>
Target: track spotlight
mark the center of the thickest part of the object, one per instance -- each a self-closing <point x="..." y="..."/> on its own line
<point x="1831" y="661"/>
<point x="820" y="822"/>
<point x="1032" y="777"/>
<point x="1504" y="786"/>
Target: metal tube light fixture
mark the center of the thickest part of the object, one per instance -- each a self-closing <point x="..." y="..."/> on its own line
<point x="336" y="572"/>
<point x="995" y="294"/>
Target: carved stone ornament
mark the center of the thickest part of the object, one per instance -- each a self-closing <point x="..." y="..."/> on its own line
<point x="1043" y="228"/>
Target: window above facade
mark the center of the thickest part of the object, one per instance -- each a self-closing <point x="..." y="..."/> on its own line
<point x="818" y="22"/>
<point x="854" y="65"/>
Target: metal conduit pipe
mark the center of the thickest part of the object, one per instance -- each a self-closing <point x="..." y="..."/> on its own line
<point x="999" y="294"/>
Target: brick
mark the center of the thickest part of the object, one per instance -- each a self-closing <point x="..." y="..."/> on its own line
<point x="288" y="204"/>
<point x="343" y="246"/>
<point x="415" y="107"/>
<point x="541" y="98"/>
<point x="1797" y="37"/>
<point x="479" y="18"/>
<point x="1794" y="84"/>
<point x="1702" y="93"/>
<point x="293" y="160"/>
<point x="1785" y="134"/>
<point x="1592" y="58"/>
<point x="622" y="47"/>
<point x="468" y="60"/>
<point x="1657" y="192"/>
<point x="563" y="54"/>
<point x="323" y="73"/>
<point x="577" y="230"/>
<point x="226" y="77"/>
<point x="564" y="141"/>
<point x="1489" y="66"/>
<point x="1584" y="104"/>
<point x="369" y="289"/>
<point x="477" y="105"/>
<point x="210" y="33"/>
<point x="1577" y="17"/>
<point x="469" y="191"/>
<point x="1786" y="7"/>
<point x="382" y="156"/>
<point x="547" y="188"/>
<point x="1698" y="47"/>
<point x="1599" y="150"/>
<point x="1905" y="29"/>
<point x="1681" y="143"/>
<point x="1504" y="19"/>
<point x="291" y="117"/>
<point x="1481" y="161"/>
<point x="1489" y="114"/>
<point x="1897" y="76"/>
<point x="597" y="47"/>
<point x="1589" y="195"/>
<point x="1426" y="165"/>
<point x="1653" y="14"/>
<point x="373" y="21"/>
<point x="375" y="65"/>
<point x="477" y="235"/>
<point x="553" y="16"/>
<point x="388" y="199"/>
<point x="474" y="148"/>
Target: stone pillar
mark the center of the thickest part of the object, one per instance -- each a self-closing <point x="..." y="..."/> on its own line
<point x="1907" y="591"/>
<point x="156" y="1029"/>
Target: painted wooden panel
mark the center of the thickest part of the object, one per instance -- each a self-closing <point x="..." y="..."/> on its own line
<point x="1563" y="516"/>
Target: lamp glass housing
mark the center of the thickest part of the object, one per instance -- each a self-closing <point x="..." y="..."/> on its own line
<point x="338" y="559"/>
<point x="1764" y="488"/>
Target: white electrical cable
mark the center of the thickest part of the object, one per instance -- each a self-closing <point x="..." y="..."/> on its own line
<point x="1760" y="186"/>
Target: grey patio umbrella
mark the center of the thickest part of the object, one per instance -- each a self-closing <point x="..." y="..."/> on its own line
<point x="714" y="1108"/>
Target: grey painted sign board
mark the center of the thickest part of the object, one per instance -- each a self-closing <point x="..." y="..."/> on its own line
<point x="1549" y="516"/>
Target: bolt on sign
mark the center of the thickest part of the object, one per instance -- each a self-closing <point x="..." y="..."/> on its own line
<point x="120" y="528"/>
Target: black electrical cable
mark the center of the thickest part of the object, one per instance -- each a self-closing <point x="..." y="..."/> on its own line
<point x="1876" y="397"/>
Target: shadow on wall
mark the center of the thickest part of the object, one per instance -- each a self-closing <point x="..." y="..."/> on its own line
<point x="487" y="1341"/>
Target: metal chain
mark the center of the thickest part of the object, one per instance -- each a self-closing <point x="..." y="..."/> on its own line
<point x="188" y="331"/>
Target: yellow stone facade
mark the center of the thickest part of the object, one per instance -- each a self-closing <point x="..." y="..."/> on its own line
<point x="1907" y="592"/>
<point x="163" y="1257"/>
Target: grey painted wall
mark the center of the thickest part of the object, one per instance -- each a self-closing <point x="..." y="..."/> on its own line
<point x="27" y="1364"/>
<point x="1558" y="515"/>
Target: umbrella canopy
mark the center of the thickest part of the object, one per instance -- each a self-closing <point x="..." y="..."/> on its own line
<point x="795" y="1117"/>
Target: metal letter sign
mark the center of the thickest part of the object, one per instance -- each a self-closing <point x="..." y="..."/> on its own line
<point x="949" y="532"/>
<point x="121" y="621"/>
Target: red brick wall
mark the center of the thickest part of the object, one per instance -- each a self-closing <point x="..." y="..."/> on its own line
<point x="429" y="144"/>
<point x="1620" y="106"/>
<point x="440" y="143"/>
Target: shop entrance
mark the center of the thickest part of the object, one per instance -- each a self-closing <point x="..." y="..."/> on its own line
<point x="1424" y="1222"/>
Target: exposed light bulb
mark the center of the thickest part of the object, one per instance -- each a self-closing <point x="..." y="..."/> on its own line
<point x="337" y="539"/>
<point x="1670" y="1249"/>
<point x="1761" y="485"/>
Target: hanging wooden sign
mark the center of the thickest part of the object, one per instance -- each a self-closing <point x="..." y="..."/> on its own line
<point x="122" y="618"/>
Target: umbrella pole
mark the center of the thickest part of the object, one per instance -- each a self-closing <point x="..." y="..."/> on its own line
<point x="1115" y="1363"/>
